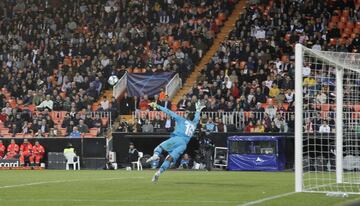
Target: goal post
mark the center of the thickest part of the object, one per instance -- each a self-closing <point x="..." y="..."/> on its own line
<point x="298" y="118"/>
<point x="327" y="121"/>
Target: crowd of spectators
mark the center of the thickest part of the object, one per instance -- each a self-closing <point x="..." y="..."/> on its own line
<point x="253" y="70"/>
<point x="58" y="55"/>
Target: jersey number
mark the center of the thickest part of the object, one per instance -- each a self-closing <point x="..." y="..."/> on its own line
<point x="189" y="129"/>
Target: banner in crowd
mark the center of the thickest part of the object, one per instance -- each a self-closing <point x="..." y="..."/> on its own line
<point x="139" y="84"/>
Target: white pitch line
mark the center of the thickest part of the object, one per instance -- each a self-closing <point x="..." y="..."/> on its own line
<point x="121" y="200"/>
<point x="65" y="181"/>
<point x="267" y="199"/>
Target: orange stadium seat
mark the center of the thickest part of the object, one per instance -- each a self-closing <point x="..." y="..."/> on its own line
<point x="62" y="131"/>
<point x="137" y="70"/>
<point x="28" y="135"/>
<point x="19" y="135"/>
<point x="7" y="135"/>
<point x="4" y="130"/>
<point x="94" y="131"/>
<point x="88" y="135"/>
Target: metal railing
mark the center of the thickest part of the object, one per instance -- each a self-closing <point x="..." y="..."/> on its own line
<point x="120" y="86"/>
<point x="239" y="119"/>
<point x="58" y="116"/>
<point x="173" y="86"/>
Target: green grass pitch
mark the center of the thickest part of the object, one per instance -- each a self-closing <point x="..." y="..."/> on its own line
<point x="175" y="188"/>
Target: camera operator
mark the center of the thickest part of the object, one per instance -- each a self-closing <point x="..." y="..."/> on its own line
<point x="206" y="149"/>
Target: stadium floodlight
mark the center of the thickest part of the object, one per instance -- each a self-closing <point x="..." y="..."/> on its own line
<point x="327" y="121"/>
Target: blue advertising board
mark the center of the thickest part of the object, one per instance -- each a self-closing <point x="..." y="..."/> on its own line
<point x="255" y="153"/>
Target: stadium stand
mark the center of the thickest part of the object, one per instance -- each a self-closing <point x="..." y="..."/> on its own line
<point x="54" y="55"/>
<point x="253" y="70"/>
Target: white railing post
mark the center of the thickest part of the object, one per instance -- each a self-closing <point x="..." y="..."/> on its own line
<point x="173" y="86"/>
<point x="120" y="86"/>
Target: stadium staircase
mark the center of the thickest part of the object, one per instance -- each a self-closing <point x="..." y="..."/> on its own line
<point x="107" y="93"/>
<point x="225" y="30"/>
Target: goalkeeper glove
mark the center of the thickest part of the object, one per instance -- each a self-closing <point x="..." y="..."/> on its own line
<point x="199" y="107"/>
<point x="153" y="105"/>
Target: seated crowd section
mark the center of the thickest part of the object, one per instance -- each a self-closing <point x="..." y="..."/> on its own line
<point x="252" y="73"/>
<point x="56" y="56"/>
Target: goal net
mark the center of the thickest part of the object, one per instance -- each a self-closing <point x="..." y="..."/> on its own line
<point x="327" y="121"/>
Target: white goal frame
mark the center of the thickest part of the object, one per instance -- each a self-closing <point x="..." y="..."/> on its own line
<point x="340" y="66"/>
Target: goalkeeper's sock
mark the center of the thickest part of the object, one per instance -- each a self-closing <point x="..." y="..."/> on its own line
<point x="158" y="150"/>
<point x="165" y="165"/>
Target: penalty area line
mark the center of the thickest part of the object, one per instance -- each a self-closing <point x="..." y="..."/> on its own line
<point x="267" y="199"/>
<point x="65" y="181"/>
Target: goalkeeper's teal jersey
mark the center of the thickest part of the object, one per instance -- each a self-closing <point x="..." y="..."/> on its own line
<point x="184" y="128"/>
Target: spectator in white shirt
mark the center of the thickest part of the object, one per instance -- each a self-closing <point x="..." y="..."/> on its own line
<point x="7" y="109"/>
<point x="289" y="96"/>
<point x="324" y="128"/>
<point x="47" y="103"/>
<point x="316" y="46"/>
<point x="321" y="98"/>
<point x="104" y="103"/>
<point x="78" y="78"/>
<point x="306" y="70"/>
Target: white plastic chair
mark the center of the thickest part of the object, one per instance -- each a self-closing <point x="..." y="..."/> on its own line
<point x="138" y="162"/>
<point x="69" y="156"/>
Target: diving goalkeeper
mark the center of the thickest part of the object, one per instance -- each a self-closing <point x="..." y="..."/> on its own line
<point x="179" y="139"/>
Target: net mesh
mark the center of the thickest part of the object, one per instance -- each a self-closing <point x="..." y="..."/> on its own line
<point x="319" y="121"/>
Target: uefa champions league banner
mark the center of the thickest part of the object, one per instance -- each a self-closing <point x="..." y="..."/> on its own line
<point x="139" y="84"/>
